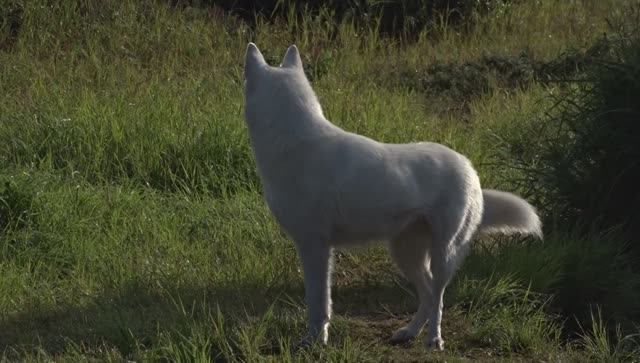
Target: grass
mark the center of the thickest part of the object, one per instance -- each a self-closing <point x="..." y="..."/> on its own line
<point x="132" y="224"/>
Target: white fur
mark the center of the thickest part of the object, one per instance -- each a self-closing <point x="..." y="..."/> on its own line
<point x="330" y="188"/>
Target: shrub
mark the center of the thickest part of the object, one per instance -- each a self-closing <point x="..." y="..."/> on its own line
<point x="580" y="162"/>
<point x="392" y="17"/>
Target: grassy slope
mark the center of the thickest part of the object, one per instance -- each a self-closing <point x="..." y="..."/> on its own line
<point x="132" y="224"/>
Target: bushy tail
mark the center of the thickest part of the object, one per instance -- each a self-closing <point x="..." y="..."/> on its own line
<point x="507" y="213"/>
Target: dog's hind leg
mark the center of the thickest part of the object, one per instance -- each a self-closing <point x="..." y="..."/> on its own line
<point x="449" y="248"/>
<point x="409" y="250"/>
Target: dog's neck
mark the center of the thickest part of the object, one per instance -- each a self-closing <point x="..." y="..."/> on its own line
<point x="274" y="136"/>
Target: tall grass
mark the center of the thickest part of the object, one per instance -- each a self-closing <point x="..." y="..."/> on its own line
<point x="601" y="345"/>
<point x="131" y="222"/>
<point x="116" y="91"/>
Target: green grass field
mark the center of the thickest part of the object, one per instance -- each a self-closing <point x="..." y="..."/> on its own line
<point x="132" y="225"/>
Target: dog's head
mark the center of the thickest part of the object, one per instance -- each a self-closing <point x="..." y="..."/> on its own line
<point x="276" y="92"/>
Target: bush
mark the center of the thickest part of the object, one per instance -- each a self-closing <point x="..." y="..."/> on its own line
<point x="392" y="17"/>
<point x="580" y="162"/>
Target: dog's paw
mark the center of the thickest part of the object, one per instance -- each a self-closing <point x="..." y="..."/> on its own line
<point x="402" y="335"/>
<point x="436" y="344"/>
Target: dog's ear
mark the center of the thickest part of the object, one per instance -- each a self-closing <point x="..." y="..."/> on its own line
<point x="292" y="58"/>
<point x="253" y="61"/>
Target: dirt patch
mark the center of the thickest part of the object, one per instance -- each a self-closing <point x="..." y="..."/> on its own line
<point x="461" y="83"/>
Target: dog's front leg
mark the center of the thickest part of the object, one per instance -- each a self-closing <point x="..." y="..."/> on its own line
<point x="316" y="261"/>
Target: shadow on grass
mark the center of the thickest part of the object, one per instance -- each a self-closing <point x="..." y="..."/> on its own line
<point x="136" y="315"/>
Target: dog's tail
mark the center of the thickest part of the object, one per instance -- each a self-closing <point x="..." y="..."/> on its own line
<point x="507" y="213"/>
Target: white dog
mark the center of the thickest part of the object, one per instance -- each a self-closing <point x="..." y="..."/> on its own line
<point x="329" y="188"/>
